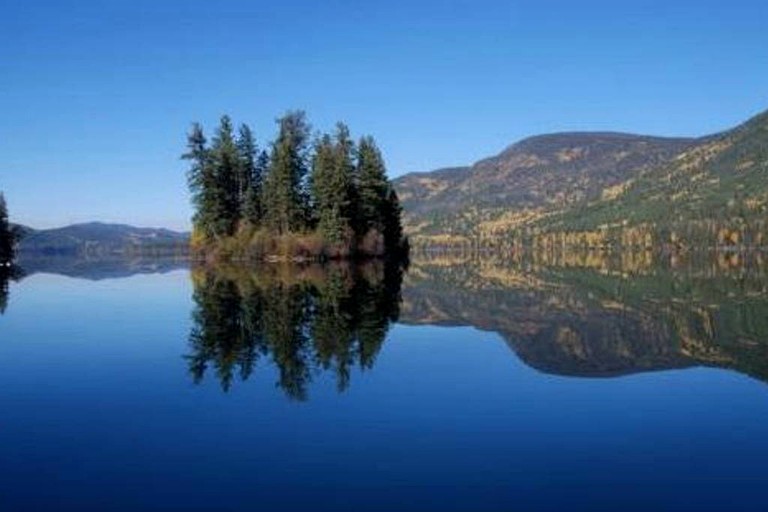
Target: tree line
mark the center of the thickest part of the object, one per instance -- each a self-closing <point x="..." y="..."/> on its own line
<point x="328" y="192"/>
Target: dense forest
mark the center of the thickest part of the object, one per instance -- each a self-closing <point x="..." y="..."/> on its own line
<point x="301" y="197"/>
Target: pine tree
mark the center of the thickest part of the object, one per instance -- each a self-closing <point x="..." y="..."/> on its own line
<point x="396" y="243"/>
<point x="8" y="235"/>
<point x="333" y="185"/>
<point x="247" y="153"/>
<point x="344" y="164"/>
<point x="372" y="186"/>
<point x="328" y="194"/>
<point x="285" y="199"/>
<point x="250" y="176"/>
<point x="201" y="179"/>
<point x="226" y="167"/>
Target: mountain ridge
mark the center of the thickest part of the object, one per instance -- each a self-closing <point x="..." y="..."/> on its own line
<point x="100" y="238"/>
<point x="561" y="176"/>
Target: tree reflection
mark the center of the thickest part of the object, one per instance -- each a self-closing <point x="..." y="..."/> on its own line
<point x="306" y="320"/>
<point x="7" y="274"/>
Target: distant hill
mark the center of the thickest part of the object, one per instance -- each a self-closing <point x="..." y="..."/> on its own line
<point x="590" y="182"/>
<point x="96" y="238"/>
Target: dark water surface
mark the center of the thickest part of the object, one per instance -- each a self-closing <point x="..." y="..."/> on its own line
<point x="482" y="385"/>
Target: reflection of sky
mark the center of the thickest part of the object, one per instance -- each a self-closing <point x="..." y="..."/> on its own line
<point x="96" y="407"/>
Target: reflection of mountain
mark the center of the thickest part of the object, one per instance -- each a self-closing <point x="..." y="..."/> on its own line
<point x="306" y="320"/>
<point x="96" y="268"/>
<point x="600" y="321"/>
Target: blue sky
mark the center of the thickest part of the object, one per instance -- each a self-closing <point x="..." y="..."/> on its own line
<point x="96" y="96"/>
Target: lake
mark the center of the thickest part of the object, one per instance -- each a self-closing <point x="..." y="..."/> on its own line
<point x="583" y="382"/>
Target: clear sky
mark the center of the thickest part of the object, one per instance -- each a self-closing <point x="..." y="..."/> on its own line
<point x="96" y="96"/>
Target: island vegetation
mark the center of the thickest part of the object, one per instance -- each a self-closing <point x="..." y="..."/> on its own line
<point x="303" y="197"/>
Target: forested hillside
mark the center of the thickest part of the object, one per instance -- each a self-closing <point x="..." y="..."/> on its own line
<point x="599" y="190"/>
<point x="714" y="194"/>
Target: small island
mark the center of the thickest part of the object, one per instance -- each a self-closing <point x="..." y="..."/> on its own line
<point x="305" y="198"/>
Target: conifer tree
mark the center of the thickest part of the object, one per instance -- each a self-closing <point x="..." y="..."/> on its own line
<point x="345" y="170"/>
<point x="8" y="235"/>
<point x="226" y="165"/>
<point x="372" y="186"/>
<point x="247" y="153"/>
<point x="200" y="180"/>
<point x="333" y="185"/>
<point x="250" y="176"/>
<point x="285" y="199"/>
<point x="327" y="192"/>
<point x="394" y="240"/>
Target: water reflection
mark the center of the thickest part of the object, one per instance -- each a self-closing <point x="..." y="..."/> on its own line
<point x="583" y="314"/>
<point x="96" y="268"/>
<point x="601" y="315"/>
<point x="7" y="274"/>
<point x="305" y="320"/>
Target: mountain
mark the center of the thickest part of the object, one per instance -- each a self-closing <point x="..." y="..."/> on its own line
<point x="534" y="175"/>
<point x="96" y="238"/>
<point x="563" y="183"/>
<point x="715" y="192"/>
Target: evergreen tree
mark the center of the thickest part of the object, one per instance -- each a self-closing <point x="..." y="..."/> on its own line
<point x="202" y="182"/>
<point x="326" y="216"/>
<point x="253" y="210"/>
<point x="285" y="199"/>
<point x="394" y="240"/>
<point x="247" y="153"/>
<point x="372" y="186"/>
<point x="250" y="176"/>
<point x="344" y="162"/>
<point x="8" y="235"/>
<point x="226" y="163"/>
<point x="333" y="185"/>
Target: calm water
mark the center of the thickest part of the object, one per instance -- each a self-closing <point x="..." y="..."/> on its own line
<point x="566" y="385"/>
